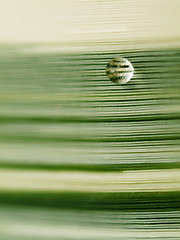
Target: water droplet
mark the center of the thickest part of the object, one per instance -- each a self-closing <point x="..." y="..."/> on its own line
<point x="119" y="70"/>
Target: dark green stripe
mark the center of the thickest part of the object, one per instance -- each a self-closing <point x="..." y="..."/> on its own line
<point x="160" y="201"/>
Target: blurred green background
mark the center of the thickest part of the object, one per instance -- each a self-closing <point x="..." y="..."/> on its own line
<point x="80" y="157"/>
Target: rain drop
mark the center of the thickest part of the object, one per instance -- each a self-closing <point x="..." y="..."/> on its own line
<point x="119" y="70"/>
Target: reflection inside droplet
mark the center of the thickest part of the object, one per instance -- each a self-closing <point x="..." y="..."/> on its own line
<point x="119" y="70"/>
